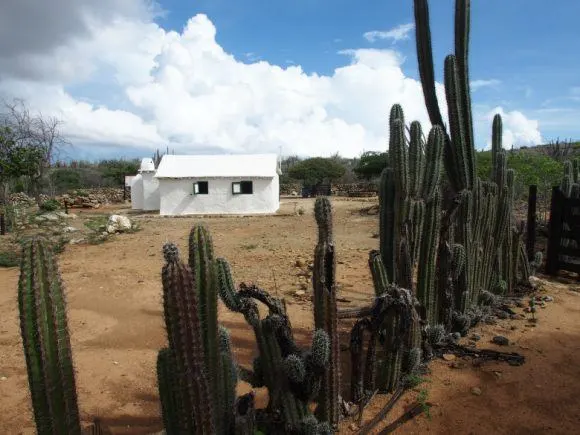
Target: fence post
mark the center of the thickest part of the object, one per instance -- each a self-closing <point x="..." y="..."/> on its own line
<point x="555" y="231"/>
<point x="124" y="189"/>
<point x="531" y="225"/>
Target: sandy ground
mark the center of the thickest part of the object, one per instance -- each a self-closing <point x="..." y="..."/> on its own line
<point x="115" y="318"/>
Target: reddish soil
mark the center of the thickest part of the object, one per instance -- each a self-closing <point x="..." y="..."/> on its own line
<point x="115" y="318"/>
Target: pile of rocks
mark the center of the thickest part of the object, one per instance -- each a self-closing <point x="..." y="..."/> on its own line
<point x="355" y="189"/>
<point x="92" y="198"/>
<point x="293" y="189"/>
<point x="21" y="199"/>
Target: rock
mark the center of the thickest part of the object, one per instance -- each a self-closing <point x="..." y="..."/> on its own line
<point x="299" y="262"/>
<point x="475" y="337"/>
<point x="500" y="340"/>
<point x="548" y="298"/>
<point x="118" y="223"/>
<point x="70" y="229"/>
<point x="449" y="357"/>
<point x="51" y="217"/>
<point x="299" y="293"/>
<point x="77" y="241"/>
<point x="476" y="391"/>
<point x="3" y="378"/>
<point x="498" y="375"/>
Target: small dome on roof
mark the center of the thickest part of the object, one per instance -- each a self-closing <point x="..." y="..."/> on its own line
<point x="147" y="165"/>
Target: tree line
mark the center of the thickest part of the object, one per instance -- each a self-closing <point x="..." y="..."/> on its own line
<point x="31" y="147"/>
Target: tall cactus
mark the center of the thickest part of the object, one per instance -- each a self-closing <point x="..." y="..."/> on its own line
<point x="325" y="311"/>
<point x="480" y="216"/>
<point x="45" y="337"/>
<point x="184" y="330"/>
<point x="202" y="266"/>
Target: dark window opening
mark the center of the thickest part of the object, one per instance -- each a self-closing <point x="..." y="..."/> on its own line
<point x="201" y="188"/>
<point x="243" y="188"/>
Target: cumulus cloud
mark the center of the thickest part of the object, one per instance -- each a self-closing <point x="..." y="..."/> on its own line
<point x="130" y="83"/>
<point x="395" y="34"/>
<point x="517" y="129"/>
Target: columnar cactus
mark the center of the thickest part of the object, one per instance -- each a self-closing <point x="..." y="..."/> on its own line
<point x="184" y="331"/>
<point x="325" y="312"/>
<point x="480" y="217"/>
<point x="45" y="337"/>
<point x="202" y="266"/>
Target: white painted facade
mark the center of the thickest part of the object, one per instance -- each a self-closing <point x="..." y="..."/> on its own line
<point x="150" y="191"/>
<point x="137" y="192"/>
<point x="201" y="185"/>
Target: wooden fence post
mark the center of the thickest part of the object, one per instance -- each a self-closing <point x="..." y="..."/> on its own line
<point x="555" y="231"/>
<point x="531" y="224"/>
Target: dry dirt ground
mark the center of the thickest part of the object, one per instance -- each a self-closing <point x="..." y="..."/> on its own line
<point x="115" y="318"/>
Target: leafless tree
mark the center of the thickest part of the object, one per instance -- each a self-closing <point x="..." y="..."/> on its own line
<point x="33" y="131"/>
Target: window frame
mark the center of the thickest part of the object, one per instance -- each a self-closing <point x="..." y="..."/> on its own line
<point x="241" y="189"/>
<point x="196" y="188"/>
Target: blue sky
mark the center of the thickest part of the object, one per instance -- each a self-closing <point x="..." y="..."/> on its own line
<point x="529" y="46"/>
<point x="134" y="81"/>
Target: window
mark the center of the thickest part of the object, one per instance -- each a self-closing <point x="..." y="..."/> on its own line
<point x="242" y="188"/>
<point x="200" y="188"/>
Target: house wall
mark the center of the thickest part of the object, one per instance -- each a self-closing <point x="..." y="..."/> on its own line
<point x="137" y="192"/>
<point x="177" y="197"/>
<point x="150" y="191"/>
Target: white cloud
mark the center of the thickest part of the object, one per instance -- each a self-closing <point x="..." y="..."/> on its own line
<point x="478" y="84"/>
<point x="517" y="129"/>
<point x="396" y="34"/>
<point x="183" y="90"/>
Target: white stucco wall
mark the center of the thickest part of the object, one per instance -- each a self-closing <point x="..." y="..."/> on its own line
<point x="177" y="197"/>
<point x="150" y="191"/>
<point x="137" y="192"/>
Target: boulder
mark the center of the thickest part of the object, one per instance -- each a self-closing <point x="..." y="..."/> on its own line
<point x="118" y="224"/>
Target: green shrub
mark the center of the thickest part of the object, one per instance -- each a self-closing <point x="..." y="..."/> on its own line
<point x="531" y="168"/>
<point x="50" y="205"/>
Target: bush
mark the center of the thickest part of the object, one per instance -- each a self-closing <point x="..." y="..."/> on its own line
<point x="50" y="205"/>
<point x="530" y="167"/>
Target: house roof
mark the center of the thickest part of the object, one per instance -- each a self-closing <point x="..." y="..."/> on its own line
<point x="219" y="166"/>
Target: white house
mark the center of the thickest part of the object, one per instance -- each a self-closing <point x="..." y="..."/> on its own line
<point x="214" y="184"/>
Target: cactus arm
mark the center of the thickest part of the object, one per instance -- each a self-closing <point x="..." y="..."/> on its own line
<point x="462" y="19"/>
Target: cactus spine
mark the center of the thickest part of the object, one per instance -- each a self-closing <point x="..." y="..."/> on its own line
<point x="45" y="336"/>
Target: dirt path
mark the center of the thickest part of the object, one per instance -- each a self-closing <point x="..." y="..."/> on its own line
<point x="115" y="316"/>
